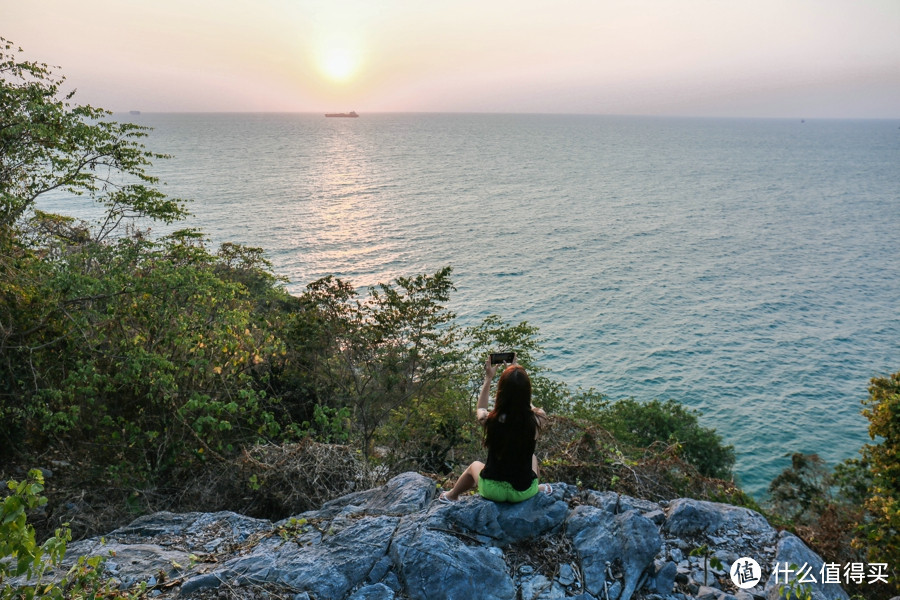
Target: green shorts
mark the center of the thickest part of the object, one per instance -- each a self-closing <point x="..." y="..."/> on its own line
<point x="503" y="491"/>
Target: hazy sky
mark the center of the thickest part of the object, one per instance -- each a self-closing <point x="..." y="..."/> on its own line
<point x="759" y="58"/>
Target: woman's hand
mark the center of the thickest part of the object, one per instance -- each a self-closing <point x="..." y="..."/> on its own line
<point x="490" y="370"/>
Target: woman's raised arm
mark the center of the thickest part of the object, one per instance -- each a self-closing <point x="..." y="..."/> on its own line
<point x="484" y="397"/>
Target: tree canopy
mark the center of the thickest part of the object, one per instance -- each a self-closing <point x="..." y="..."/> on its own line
<point x="49" y="143"/>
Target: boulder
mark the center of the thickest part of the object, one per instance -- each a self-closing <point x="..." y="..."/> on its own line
<point x="501" y="523"/>
<point x="433" y="565"/>
<point x="404" y="494"/>
<point x="795" y="561"/>
<point x="603" y="539"/>
<point x="687" y="517"/>
<point x="329" y="564"/>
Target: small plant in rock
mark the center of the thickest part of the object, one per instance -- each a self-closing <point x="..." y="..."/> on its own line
<point x="20" y="555"/>
<point x="293" y="528"/>
<point x="709" y="560"/>
<point x="795" y="590"/>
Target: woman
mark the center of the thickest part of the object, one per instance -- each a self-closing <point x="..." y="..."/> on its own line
<point x="510" y="431"/>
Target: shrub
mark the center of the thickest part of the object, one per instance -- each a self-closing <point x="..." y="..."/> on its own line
<point x="21" y="556"/>
<point x="802" y="490"/>
<point x="882" y="527"/>
<point x="643" y="423"/>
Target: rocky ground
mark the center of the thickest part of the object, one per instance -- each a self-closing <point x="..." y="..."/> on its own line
<point x="398" y="541"/>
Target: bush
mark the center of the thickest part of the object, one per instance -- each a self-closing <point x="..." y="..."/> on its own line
<point x="852" y="513"/>
<point x="580" y="452"/>
<point x="155" y="358"/>
<point x="802" y="490"/>
<point x="882" y="526"/>
<point x="643" y="423"/>
<point x="143" y="354"/>
<point x="275" y="481"/>
<point x="22" y="557"/>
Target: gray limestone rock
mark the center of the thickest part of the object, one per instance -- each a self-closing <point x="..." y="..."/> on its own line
<point x="378" y="591"/>
<point x="193" y="530"/>
<point x="710" y="593"/>
<point x="132" y="564"/>
<point x="792" y="551"/>
<point x="433" y="565"/>
<point x="395" y="541"/>
<point x="664" y="581"/>
<point x="404" y="494"/>
<point x="618" y="503"/>
<point x="535" y="587"/>
<point x="200" y="582"/>
<point x="566" y="576"/>
<point x="340" y="561"/>
<point x="502" y="523"/>
<point x="687" y="517"/>
<point x="602" y="538"/>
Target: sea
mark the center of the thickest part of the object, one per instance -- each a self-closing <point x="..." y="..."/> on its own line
<point x="746" y="268"/>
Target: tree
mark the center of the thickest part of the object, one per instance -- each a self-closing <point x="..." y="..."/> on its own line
<point x="801" y="491"/>
<point x="48" y="143"/>
<point x="150" y="350"/>
<point x="376" y="355"/>
<point x="882" y="528"/>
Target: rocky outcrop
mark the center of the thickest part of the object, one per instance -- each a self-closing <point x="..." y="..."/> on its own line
<point x="398" y="541"/>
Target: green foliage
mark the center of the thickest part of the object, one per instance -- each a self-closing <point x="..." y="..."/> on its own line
<point x="156" y="352"/>
<point x="17" y="537"/>
<point x="20" y="555"/>
<point x="54" y="270"/>
<point x="882" y="528"/>
<point x="437" y="432"/>
<point x="801" y="491"/>
<point x="851" y="513"/>
<point x="794" y="590"/>
<point x="148" y="352"/>
<point x="392" y="349"/>
<point x="495" y="335"/>
<point x="329" y="425"/>
<point x="852" y="480"/>
<point x="49" y="144"/>
<point x="643" y="423"/>
<point x="293" y="529"/>
<point x="433" y="434"/>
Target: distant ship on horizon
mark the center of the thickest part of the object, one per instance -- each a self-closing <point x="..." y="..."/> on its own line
<point x="352" y="113"/>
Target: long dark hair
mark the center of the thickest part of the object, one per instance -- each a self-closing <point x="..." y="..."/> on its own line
<point x="512" y="424"/>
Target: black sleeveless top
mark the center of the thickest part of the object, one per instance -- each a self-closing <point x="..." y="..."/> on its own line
<point x="514" y="466"/>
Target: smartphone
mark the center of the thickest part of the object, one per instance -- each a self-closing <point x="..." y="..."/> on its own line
<point x="502" y="357"/>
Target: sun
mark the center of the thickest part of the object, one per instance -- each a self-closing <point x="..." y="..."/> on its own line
<point x="339" y="62"/>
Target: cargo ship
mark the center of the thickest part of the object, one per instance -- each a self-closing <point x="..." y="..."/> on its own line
<point x="349" y="114"/>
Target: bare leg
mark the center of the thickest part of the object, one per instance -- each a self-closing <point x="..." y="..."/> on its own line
<point x="544" y="487"/>
<point x="467" y="481"/>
